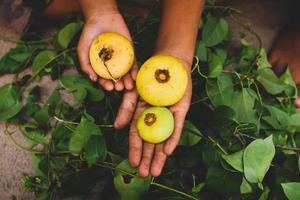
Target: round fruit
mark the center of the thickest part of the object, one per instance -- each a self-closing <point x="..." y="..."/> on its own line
<point x="155" y="124"/>
<point x="111" y="55"/>
<point x="162" y="80"/>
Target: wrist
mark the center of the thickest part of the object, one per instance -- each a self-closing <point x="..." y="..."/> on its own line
<point x="100" y="11"/>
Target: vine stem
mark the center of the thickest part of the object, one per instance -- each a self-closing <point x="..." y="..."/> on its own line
<point x="76" y="123"/>
<point x="173" y="190"/>
<point x="37" y="73"/>
<point x="9" y="134"/>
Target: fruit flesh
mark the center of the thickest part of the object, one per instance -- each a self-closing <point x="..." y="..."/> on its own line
<point x="162" y="80"/>
<point x="111" y="55"/>
<point x="155" y="124"/>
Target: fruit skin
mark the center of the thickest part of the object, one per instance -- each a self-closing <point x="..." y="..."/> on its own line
<point x="120" y="60"/>
<point x="159" y="93"/>
<point x="161" y="129"/>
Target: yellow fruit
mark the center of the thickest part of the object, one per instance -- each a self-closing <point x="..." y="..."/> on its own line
<point x="111" y="55"/>
<point x="155" y="124"/>
<point x="162" y="80"/>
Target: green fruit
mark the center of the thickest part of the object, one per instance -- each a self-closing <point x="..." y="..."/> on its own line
<point x="155" y="124"/>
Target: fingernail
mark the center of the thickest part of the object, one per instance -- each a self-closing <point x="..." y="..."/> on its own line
<point x="92" y="78"/>
<point x="297" y="103"/>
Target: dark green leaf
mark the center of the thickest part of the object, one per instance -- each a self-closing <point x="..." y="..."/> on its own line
<point x="214" y="31"/>
<point x="190" y="135"/>
<point x="201" y="51"/>
<point x="215" y="66"/>
<point x="95" y="149"/>
<point x="15" y="58"/>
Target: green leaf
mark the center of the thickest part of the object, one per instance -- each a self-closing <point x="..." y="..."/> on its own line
<point x="223" y="116"/>
<point x="248" y="55"/>
<point x="215" y="66"/>
<point x="257" y="159"/>
<point x="220" y="90"/>
<point x="15" y="58"/>
<point x="9" y="102"/>
<point x="243" y="105"/>
<point x="67" y="33"/>
<point x="43" y="59"/>
<point x="42" y="116"/>
<point x="214" y="31"/>
<point x="235" y="160"/>
<point x="291" y="88"/>
<point x="81" y="87"/>
<point x="95" y="149"/>
<point x="82" y="134"/>
<point x="270" y="81"/>
<point x="291" y="190"/>
<point x="130" y="187"/>
<point x="262" y="61"/>
<point x="278" y="118"/>
<point x="190" y="135"/>
<point x="198" y="188"/>
<point x="201" y="51"/>
<point x="245" y="187"/>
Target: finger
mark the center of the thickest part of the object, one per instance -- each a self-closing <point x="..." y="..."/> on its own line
<point x="144" y="167"/>
<point x="134" y="71"/>
<point x="128" y="82"/>
<point x="171" y="143"/>
<point x="297" y="103"/>
<point x="135" y="142"/>
<point x="83" y="55"/>
<point x="158" y="161"/>
<point x="126" y="109"/>
<point x="119" y="85"/>
<point x="278" y="64"/>
<point x="106" y="84"/>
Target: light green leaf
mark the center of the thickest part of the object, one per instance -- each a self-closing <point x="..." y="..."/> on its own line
<point x="214" y="31"/>
<point x="257" y="159"/>
<point x="34" y="136"/>
<point x="220" y="90"/>
<point x="245" y="187"/>
<point x="235" y="160"/>
<point x="130" y="187"/>
<point x="291" y="190"/>
<point x="9" y="102"/>
<point x="265" y="194"/>
<point x="262" y="61"/>
<point x="67" y="33"/>
<point x="82" y="134"/>
<point x="243" y="105"/>
<point x="190" y="135"/>
<point x="43" y="59"/>
<point x="270" y="81"/>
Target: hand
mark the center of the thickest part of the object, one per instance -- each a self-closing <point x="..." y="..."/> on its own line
<point x="151" y="157"/>
<point x="112" y="22"/>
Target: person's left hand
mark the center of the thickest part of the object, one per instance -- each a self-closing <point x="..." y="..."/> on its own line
<point x="151" y="157"/>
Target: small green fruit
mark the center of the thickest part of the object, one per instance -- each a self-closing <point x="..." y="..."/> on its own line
<point x="155" y="124"/>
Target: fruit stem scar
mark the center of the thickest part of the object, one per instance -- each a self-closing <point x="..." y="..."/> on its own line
<point x="105" y="54"/>
<point x="162" y="75"/>
<point x="150" y="119"/>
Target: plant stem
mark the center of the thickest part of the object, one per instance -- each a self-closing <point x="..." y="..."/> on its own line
<point x="76" y="123"/>
<point x="173" y="190"/>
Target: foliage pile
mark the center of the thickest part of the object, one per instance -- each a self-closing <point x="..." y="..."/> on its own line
<point x="241" y="139"/>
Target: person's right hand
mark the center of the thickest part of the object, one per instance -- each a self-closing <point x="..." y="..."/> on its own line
<point x="108" y="22"/>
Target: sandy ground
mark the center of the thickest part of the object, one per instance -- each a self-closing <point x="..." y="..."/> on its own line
<point x="267" y="18"/>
